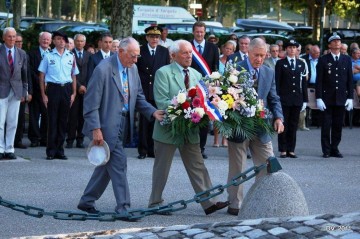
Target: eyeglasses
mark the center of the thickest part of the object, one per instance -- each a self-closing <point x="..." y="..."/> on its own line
<point x="134" y="56"/>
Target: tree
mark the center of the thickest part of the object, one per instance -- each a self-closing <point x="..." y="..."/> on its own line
<point x="121" y="18"/>
<point x="16" y="6"/>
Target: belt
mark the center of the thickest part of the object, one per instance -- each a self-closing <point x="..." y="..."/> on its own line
<point x="59" y="84"/>
<point x="125" y="113"/>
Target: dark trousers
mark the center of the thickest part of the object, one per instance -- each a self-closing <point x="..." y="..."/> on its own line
<point x="37" y="132"/>
<point x="331" y="128"/>
<point x="58" y="110"/>
<point x="287" y="139"/>
<point x="203" y="132"/>
<point x="76" y="121"/>
<point x="21" y="124"/>
<point x="146" y="128"/>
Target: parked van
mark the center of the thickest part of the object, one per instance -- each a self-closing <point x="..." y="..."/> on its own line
<point x="145" y="16"/>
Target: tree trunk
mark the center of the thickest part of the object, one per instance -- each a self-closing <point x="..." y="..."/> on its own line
<point x="91" y="10"/>
<point x="17" y="13"/>
<point x="48" y="11"/>
<point x="121" y="18"/>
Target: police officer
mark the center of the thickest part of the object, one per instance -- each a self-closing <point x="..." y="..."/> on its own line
<point x="58" y="90"/>
<point x="334" y="93"/>
<point x="153" y="56"/>
<point x="291" y="86"/>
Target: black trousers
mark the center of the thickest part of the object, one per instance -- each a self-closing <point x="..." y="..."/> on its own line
<point x="21" y="124"/>
<point x="58" y="110"/>
<point x="146" y="128"/>
<point x="76" y="121"/>
<point x="37" y="131"/>
<point x="287" y="139"/>
<point x="331" y="128"/>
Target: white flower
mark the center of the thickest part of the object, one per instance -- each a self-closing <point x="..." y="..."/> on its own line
<point x="233" y="79"/>
<point x="222" y="105"/>
<point x="178" y="112"/>
<point x="215" y="75"/>
<point x="200" y="111"/>
<point x="181" y="97"/>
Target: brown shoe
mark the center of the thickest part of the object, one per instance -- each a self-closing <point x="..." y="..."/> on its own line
<point x="216" y="207"/>
<point x="233" y="211"/>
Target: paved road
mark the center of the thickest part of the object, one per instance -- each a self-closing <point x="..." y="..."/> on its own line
<point x="329" y="185"/>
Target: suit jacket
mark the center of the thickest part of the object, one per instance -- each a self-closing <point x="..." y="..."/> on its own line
<point x="103" y="101"/>
<point x="267" y="92"/>
<point x="82" y="65"/>
<point x="334" y="81"/>
<point x="34" y="59"/>
<point x="94" y="60"/>
<point x="148" y="65"/>
<point x="270" y="62"/>
<point x="235" y="58"/>
<point x="168" y="81"/>
<point x="211" y="56"/>
<point x="18" y="80"/>
<point x="291" y="85"/>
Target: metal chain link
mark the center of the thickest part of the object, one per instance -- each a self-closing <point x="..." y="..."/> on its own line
<point x="272" y="165"/>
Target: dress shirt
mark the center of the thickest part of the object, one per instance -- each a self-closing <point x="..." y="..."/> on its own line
<point x="150" y="50"/>
<point x="333" y="55"/>
<point x="12" y="53"/>
<point x="313" y="63"/>
<point x="202" y="44"/>
<point x="104" y="54"/>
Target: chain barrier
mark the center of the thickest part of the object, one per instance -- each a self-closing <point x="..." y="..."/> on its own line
<point x="272" y="165"/>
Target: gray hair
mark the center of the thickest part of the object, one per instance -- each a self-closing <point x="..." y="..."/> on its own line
<point x="116" y="41"/>
<point x="80" y="35"/>
<point x="124" y="43"/>
<point x="43" y="33"/>
<point x="257" y="43"/>
<point x="274" y="46"/>
<point x="231" y="42"/>
<point x="8" y="29"/>
<point x="175" y="47"/>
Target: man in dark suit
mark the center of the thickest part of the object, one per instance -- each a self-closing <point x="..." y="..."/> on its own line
<point x="13" y="90"/>
<point x="334" y="93"/>
<point x="76" y="119"/>
<point x="242" y="54"/>
<point x="103" y="53"/>
<point x="209" y="59"/>
<point x="291" y="86"/>
<point x="37" y="134"/>
<point x="113" y="94"/>
<point x="261" y="146"/>
<point x="153" y="56"/>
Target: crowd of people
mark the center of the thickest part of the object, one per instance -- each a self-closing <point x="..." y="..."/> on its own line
<point x="74" y="90"/>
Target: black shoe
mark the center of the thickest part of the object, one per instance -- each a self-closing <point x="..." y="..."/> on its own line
<point x="43" y="144"/>
<point x="283" y="156"/>
<point x="292" y="155"/>
<point x="2" y="156"/>
<point x="91" y="210"/>
<point x="10" y="156"/>
<point x="50" y="157"/>
<point x="34" y="144"/>
<point x="141" y="156"/>
<point x="61" y="156"/>
<point x="216" y="207"/>
<point x="69" y="145"/>
<point x="151" y="155"/>
<point x="336" y="155"/>
<point x="80" y="145"/>
<point x="326" y="156"/>
<point x="233" y="211"/>
<point x="204" y="156"/>
<point x="20" y="146"/>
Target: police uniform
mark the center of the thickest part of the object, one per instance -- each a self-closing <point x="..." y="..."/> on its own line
<point x="334" y="87"/>
<point x="291" y="86"/>
<point x="147" y="65"/>
<point x="58" y="70"/>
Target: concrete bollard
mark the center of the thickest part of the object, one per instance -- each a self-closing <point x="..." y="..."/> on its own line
<point x="274" y="195"/>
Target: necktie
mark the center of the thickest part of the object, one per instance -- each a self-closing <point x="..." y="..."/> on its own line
<point x="245" y="57"/>
<point x="186" y="79"/>
<point x="200" y="49"/>
<point x="106" y="56"/>
<point x="80" y="55"/>
<point x="255" y="78"/>
<point x="336" y="58"/>
<point x="152" y="52"/>
<point x="11" y="62"/>
<point x="125" y="86"/>
<point x="292" y="64"/>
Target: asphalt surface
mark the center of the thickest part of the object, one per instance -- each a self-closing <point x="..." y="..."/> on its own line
<point x="329" y="185"/>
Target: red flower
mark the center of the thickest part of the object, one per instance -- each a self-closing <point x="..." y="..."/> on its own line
<point x="196" y="102"/>
<point x="185" y="105"/>
<point x="262" y="114"/>
<point x="192" y="93"/>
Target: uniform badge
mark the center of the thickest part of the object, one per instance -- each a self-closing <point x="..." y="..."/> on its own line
<point x="52" y="62"/>
<point x="299" y="66"/>
<point x="329" y="72"/>
<point x="285" y="66"/>
<point x="329" y="64"/>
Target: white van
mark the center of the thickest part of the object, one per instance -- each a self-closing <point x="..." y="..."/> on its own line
<point x="145" y="16"/>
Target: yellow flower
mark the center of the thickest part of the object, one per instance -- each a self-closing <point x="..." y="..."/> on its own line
<point x="229" y="100"/>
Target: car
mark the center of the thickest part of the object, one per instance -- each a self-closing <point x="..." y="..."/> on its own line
<point x="269" y="37"/>
<point x="84" y="28"/>
<point x="25" y="22"/>
<point x="187" y="28"/>
<point x="52" y="26"/>
<point x="262" y="25"/>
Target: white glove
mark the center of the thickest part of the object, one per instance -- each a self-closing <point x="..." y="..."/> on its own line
<point x="349" y="104"/>
<point x="303" y="106"/>
<point x="320" y="104"/>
